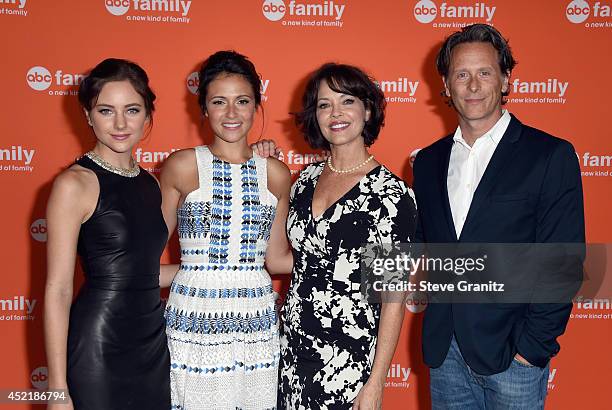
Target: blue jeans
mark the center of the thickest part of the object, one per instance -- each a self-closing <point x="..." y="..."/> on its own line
<point x="455" y="386"/>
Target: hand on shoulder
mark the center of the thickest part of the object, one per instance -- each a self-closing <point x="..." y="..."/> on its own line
<point x="266" y="148"/>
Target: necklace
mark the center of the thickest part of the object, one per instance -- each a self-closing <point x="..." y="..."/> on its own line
<point x="348" y="170"/>
<point x="124" y="172"/>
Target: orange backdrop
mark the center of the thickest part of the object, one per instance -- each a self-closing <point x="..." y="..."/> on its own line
<point x="561" y="85"/>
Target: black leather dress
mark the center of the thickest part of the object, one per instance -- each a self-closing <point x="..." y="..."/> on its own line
<point x="117" y="349"/>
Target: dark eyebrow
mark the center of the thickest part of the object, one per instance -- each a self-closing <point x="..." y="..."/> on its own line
<point x="342" y="95"/>
<point x="478" y="68"/>
<point x="112" y="106"/>
<point x="238" y="96"/>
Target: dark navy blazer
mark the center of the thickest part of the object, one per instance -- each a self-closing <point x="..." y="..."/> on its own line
<point x="531" y="192"/>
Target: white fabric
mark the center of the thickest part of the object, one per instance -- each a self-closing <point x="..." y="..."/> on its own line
<point x="466" y="167"/>
<point x="221" y="320"/>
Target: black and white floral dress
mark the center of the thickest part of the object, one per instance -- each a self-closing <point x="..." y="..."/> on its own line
<point x="328" y="335"/>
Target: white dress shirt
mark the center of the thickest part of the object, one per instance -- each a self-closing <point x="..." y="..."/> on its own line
<point x="466" y="167"/>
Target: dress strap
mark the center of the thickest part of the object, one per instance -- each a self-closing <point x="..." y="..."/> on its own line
<point x="204" y="161"/>
<point x="261" y="164"/>
<point x="262" y="170"/>
<point x="88" y="163"/>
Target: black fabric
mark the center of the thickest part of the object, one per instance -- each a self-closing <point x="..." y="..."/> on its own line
<point x="117" y="349"/>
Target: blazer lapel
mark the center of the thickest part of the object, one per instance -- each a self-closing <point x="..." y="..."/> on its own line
<point x="445" y="152"/>
<point x="506" y="147"/>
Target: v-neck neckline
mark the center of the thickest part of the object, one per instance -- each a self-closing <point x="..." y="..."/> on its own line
<point x="333" y="205"/>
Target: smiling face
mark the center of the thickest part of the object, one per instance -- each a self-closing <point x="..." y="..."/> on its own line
<point x="118" y="118"/>
<point x="475" y="84"/>
<point x="341" y="117"/>
<point x="230" y="107"/>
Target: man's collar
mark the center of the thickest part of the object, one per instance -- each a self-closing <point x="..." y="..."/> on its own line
<point x="494" y="134"/>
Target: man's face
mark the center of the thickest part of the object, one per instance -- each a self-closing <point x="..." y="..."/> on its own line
<point x="475" y="83"/>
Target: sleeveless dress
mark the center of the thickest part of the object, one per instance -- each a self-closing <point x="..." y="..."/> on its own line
<point x="329" y="332"/>
<point x="117" y="349"/>
<point x="220" y="318"/>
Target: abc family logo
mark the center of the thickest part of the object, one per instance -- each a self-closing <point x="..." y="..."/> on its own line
<point x="413" y="156"/>
<point x="416" y="302"/>
<point x="193" y="82"/>
<point x="40" y="378"/>
<point x="547" y="91"/>
<point x="397" y="376"/>
<point x="38" y="230"/>
<point x="16" y="158"/>
<point x="166" y="11"/>
<point x="13" y="7"/>
<point x="275" y="10"/>
<point x="578" y="11"/>
<point x="426" y="11"/>
<point x="39" y="78"/>
<point x="18" y="308"/>
<point x="402" y="90"/>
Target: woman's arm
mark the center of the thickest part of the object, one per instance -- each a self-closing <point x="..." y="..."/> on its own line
<point x="390" y="326"/>
<point x="170" y="179"/>
<point x="397" y="228"/>
<point x="279" y="258"/>
<point x="167" y="273"/>
<point x="72" y="201"/>
<point x="179" y="176"/>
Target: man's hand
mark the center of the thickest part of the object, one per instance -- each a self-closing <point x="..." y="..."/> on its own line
<point x="521" y="359"/>
<point x="266" y="148"/>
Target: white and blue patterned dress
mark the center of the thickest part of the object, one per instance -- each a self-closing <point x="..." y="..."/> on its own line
<point x="221" y="321"/>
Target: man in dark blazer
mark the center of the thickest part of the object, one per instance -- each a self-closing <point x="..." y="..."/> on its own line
<point x="495" y="180"/>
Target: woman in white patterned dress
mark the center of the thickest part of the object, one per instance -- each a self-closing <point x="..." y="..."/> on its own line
<point x="230" y="206"/>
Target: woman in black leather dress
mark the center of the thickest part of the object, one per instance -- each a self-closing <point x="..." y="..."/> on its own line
<point x="109" y="348"/>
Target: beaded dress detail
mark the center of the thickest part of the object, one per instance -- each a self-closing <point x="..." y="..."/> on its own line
<point x="221" y="320"/>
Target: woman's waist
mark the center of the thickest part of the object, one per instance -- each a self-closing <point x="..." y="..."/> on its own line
<point x="123" y="302"/>
<point x="222" y="289"/>
<point x="201" y="264"/>
<point x="325" y="306"/>
<point x="347" y="332"/>
<point x="231" y="255"/>
<point x="119" y="282"/>
<point x="222" y="276"/>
